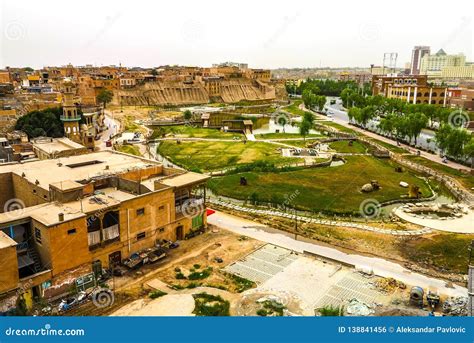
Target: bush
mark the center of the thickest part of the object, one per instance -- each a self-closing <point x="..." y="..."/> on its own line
<point x="200" y="275"/>
<point x="156" y="294"/>
<point x="331" y="311"/>
<point x="180" y="276"/>
<point x="262" y="312"/>
<point x="197" y="266"/>
<point x="210" y="305"/>
<point x="242" y="283"/>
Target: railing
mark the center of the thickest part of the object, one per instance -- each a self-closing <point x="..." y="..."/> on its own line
<point x="70" y="118"/>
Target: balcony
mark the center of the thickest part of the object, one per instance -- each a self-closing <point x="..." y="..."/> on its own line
<point x="110" y="234"/>
<point x="189" y="207"/>
<point x="70" y="118"/>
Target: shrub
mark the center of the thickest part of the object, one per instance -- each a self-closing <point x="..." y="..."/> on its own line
<point x="210" y="305"/>
<point x="200" y="275"/>
<point x="156" y="294"/>
<point x="331" y="311"/>
<point x="180" y="276"/>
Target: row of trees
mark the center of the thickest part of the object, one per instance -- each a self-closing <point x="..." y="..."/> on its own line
<point x="401" y="120"/>
<point x="323" y="87"/>
<point x="383" y="106"/>
<point x="455" y="142"/>
<point x="312" y="100"/>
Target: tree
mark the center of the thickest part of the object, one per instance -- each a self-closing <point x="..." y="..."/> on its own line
<point x="187" y="115"/>
<point x="469" y="151"/>
<point x="305" y="127"/>
<point x="105" y="96"/>
<point x="46" y="122"/>
<point x="309" y="117"/>
<point x="282" y="120"/>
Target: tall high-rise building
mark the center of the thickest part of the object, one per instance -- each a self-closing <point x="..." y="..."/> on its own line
<point x="433" y="65"/>
<point x="416" y="56"/>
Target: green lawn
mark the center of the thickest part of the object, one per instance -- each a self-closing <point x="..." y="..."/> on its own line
<point x="208" y="156"/>
<point x="284" y="135"/>
<point x="464" y="178"/>
<point x="445" y="251"/>
<point x="389" y="146"/>
<point x="129" y="149"/>
<point x="294" y="109"/>
<point x="344" y="147"/>
<point x="337" y="126"/>
<point x="196" y="132"/>
<point x="331" y="189"/>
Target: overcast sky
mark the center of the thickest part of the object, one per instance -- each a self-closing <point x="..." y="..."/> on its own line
<point x="262" y="33"/>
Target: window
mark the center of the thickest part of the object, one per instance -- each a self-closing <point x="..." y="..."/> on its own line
<point x="38" y="235"/>
<point x="141" y="211"/>
<point x="71" y="231"/>
<point x="162" y="229"/>
<point x="141" y="236"/>
<point x="162" y="207"/>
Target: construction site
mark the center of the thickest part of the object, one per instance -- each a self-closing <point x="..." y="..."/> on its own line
<point x="223" y="273"/>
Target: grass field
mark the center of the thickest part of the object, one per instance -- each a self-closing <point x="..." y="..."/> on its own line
<point x="389" y="146"/>
<point x="196" y="132"/>
<point x="464" y="178"/>
<point x="284" y="135"/>
<point x="448" y="252"/>
<point x="337" y="126"/>
<point x="129" y="149"/>
<point x="208" y="156"/>
<point x="330" y="189"/>
<point x="344" y="147"/>
<point x="294" y="109"/>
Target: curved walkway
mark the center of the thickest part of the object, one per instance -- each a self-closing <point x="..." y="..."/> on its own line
<point x="328" y="222"/>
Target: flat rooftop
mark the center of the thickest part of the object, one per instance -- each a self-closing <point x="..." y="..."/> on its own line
<point x="56" y="145"/>
<point x="77" y="168"/>
<point x="6" y="241"/>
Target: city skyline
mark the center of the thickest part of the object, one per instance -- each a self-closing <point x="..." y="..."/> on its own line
<point x="262" y="36"/>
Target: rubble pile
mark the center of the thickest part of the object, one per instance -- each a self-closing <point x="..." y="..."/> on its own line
<point x="388" y="285"/>
<point x="455" y="306"/>
<point x="358" y="308"/>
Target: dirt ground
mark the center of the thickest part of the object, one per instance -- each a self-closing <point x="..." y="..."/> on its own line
<point x="393" y="248"/>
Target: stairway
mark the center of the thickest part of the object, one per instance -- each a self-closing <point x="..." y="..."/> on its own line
<point x="34" y="256"/>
